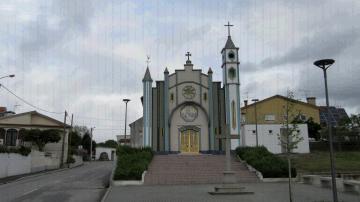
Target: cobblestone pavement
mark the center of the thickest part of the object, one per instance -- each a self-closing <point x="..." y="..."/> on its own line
<point x="264" y="192"/>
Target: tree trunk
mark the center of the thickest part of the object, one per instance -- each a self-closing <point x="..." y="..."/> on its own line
<point x="289" y="167"/>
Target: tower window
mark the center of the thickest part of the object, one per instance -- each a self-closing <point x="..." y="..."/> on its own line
<point x="205" y="96"/>
<point x="232" y="73"/>
<point x="231" y="55"/>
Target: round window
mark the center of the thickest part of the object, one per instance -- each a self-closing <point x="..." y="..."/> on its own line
<point x="231" y="55"/>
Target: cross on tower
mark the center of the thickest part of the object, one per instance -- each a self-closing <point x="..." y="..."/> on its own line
<point x="228" y="25"/>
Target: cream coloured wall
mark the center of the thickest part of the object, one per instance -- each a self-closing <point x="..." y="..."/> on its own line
<point x="201" y="122"/>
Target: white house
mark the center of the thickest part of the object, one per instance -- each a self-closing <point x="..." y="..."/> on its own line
<point x="105" y="152"/>
<point x="268" y="136"/>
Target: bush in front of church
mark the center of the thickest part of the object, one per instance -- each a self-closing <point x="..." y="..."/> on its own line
<point x="132" y="162"/>
<point x="270" y="165"/>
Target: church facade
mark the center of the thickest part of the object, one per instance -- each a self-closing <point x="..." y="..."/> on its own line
<point x="188" y="112"/>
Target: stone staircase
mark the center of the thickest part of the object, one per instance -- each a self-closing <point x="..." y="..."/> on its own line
<point x="194" y="169"/>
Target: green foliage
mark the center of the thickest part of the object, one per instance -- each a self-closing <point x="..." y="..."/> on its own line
<point x="270" y="165"/>
<point x="70" y="160"/>
<point x="132" y="162"/>
<point x="42" y="137"/>
<point x="108" y="143"/>
<point x="25" y="151"/>
<point x="86" y="143"/>
<point x="75" y="138"/>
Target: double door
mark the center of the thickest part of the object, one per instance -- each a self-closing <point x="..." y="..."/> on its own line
<point x="189" y="141"/>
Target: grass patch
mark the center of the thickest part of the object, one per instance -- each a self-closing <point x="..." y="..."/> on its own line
<point x="270" y="165"/>
<point x="320" y="161"/>
<point x="131" y="162"/>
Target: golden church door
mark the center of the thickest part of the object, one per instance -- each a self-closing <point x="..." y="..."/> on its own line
<point x="189" y="141"/>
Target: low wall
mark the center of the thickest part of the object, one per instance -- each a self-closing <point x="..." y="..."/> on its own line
<point x="14" y="164"/>
<point x="78" y="161"/>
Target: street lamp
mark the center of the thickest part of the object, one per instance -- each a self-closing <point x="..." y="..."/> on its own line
<point x="256" y="125"/>
<point x="126" y="101"/>
<point x="324" y="65"/>
<point x="91" y="136"/>
<point x="10" y="76"/>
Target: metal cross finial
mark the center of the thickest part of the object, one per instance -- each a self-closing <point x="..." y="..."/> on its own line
<point x="228" y="25"/>
<point x="188" y="54"/>
<point x="148" y="60"/>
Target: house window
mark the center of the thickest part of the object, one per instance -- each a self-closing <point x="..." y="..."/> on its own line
<point x="2" y="136"/>
<point x="270" y="132"/>
<point x="269" y="117"/>
<point x="10" y="138"/>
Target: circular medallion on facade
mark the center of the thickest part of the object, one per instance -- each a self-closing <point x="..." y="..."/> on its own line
<point x="189" y="113"/>
<point x="188" y="92"/>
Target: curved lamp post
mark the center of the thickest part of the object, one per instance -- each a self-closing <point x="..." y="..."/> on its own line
<point x="126" y="101"/>
<point x="324" y="64"/>
<point x="10" y="76"/>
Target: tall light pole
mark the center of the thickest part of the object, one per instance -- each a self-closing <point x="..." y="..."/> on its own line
<point x="91" y="136"/>
<point x="256" y="125"/>
<point x="10" y="76"/>
<point x="126" y="102"/>
<point x="324" y="65"/>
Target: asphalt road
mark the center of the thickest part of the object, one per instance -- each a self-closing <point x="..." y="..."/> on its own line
<point x="85" y="183"/>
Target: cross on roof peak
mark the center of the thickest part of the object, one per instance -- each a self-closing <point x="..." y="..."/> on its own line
<point x="188" y="54"/>
<point x="148" y="60"/>
<point x="228" y="25"/>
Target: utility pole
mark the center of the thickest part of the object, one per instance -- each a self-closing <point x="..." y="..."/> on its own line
<point x="256" y="125"/>
<point x="91" y="136"/>
<point x="70" y="133"/>
<point x="63" y="142"/>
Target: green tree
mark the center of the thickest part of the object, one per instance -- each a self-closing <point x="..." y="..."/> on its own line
<point x="290" y="137"/>
<point x="42" y="137"/>
<point x="86" y="143"/>
<point x="108" y="143"/>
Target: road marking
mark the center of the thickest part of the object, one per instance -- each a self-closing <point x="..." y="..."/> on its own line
<point x="30" y="191"/>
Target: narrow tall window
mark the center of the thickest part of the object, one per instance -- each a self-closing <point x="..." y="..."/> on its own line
<point x="233" y="114"/>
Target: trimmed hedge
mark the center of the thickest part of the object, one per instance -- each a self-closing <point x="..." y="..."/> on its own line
<point x="131" y="162"/>
<point x="25" y="151"/>
<point x="270" y="165"/>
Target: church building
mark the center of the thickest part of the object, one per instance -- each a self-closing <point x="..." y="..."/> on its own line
<point x="188" y="112"/>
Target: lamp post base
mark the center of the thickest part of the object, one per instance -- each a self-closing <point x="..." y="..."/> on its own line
<point x="230" y="186"/>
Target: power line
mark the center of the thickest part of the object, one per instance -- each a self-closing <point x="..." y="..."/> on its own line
<point x="28" y="103"/>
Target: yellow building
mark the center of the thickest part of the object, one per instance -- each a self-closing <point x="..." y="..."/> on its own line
<point x="272" y="110"/>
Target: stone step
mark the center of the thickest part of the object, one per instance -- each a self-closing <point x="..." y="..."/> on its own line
<point x="193" y="169"/>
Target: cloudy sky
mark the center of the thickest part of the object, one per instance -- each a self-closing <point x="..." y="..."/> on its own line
<point x="86" y="56"/>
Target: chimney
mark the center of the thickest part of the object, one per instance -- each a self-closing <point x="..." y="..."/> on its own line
<point x="2" y="109"/>
<point x="311" y="100"/>
<point x="245" y="103"/>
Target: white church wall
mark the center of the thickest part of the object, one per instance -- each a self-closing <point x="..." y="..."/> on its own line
<point x="268" y="137"/>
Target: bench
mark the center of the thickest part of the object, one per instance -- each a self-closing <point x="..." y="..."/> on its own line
<point x="352" y="186"/>
<point x="325" y="182"/>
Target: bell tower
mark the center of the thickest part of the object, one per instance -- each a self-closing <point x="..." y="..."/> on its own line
<point x="231" y="81"/>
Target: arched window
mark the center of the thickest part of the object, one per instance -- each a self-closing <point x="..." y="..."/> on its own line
<point x="2" y="136"/>
<point x="11" y="136"/>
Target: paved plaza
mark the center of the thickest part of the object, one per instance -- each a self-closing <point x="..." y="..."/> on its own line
<point x="264" y="192"/>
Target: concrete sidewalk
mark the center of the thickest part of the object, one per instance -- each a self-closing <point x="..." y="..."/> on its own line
<point x="264" y="192"/>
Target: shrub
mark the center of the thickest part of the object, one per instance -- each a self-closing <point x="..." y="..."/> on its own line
<point x="132" y="162"/>
<point x="265" y="162"/>
<point x="25" y="151"/>
<point x="70" y="160"/>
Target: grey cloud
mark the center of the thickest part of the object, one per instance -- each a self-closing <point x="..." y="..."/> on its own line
<point x="72" y="17"/>
<point x="322" y="45"/>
